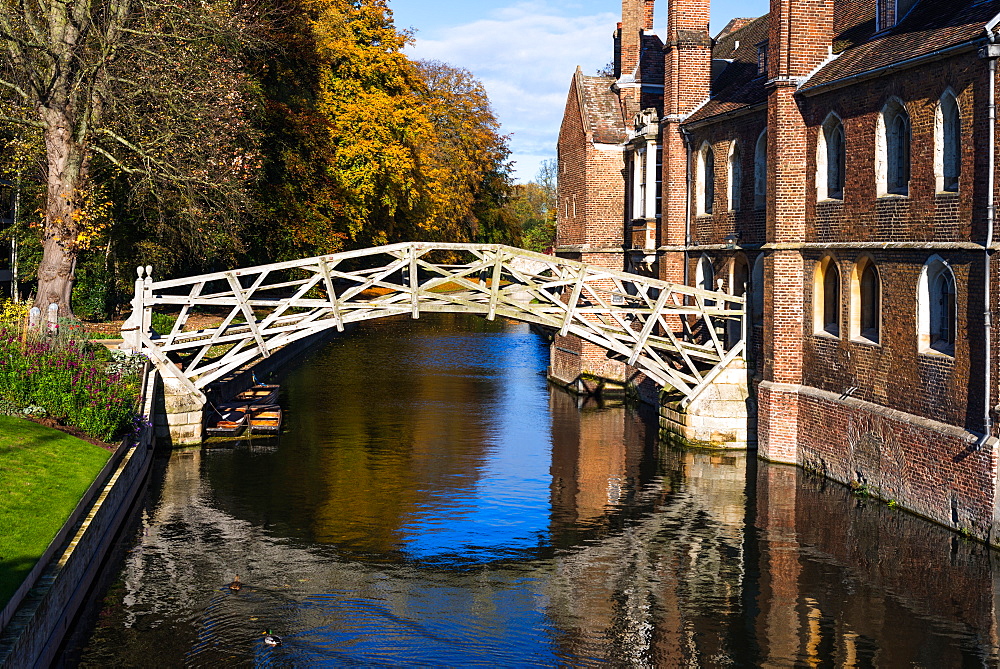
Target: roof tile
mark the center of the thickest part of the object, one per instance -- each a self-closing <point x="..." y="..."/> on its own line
<point x="601" y="108"/>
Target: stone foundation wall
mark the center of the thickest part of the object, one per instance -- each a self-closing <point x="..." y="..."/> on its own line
<point x="931" y="468"/>
<point x="721" y="416"/>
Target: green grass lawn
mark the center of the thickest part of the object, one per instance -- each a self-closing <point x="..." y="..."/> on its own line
<point x="43" y="474"/>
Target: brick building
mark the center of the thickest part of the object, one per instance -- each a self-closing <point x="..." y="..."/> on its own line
<point x="835" y="161"/>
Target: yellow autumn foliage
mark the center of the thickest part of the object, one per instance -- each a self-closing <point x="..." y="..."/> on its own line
<point x="385" y="148"/>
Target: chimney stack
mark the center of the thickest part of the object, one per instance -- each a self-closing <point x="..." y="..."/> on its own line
<point x="630" y="36"/>
<point x="687" y="71"/>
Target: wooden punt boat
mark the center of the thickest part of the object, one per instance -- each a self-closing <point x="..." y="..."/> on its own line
<point x="227" y="421"/>
<point x="259" y="394"/>
<point x="265" y="419"/>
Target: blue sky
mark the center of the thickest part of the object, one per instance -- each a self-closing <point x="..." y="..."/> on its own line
<point x="525" y="54"/>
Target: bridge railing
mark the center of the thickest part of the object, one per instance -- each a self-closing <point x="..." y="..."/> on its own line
<point x="676" y="334"/>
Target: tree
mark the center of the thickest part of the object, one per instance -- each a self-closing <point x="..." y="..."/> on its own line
<point x="365" y="146"/>
<point x="343" y="122"/>
<point x="144" y="93"/>
<point x="533" y="205"/>
<point x="464" y="159"/>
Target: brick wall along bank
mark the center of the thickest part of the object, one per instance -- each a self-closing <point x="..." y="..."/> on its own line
<point x="832" y="161"/>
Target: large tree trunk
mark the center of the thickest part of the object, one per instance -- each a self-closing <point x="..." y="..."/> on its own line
<point x="63" y="209"/>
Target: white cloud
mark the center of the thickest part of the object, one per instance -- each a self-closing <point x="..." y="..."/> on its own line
<point x="525" y="55"/>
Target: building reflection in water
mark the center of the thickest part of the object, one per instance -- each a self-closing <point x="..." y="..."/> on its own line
<point x="536" y="530"/>
<point x="658" y="573"/>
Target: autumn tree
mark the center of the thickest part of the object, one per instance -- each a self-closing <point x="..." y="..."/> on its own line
<point x="533" y="206"/>
<point x="364" y="146"/>
<point x="147" y="94"/>
<point x="464" y="160"/>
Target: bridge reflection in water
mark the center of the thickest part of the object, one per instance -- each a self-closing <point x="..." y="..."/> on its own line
<point x="461" y="512"/>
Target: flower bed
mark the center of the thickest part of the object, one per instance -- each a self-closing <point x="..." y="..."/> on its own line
<point x="64" y="377"/>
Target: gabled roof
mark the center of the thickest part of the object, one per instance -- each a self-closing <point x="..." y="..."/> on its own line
<point x="601" y="110"/>
<point x="930" y="26"/>
<point x="738" y="85"/>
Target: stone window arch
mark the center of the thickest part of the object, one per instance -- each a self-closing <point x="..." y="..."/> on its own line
<point x="760" y="171"/>
<point x="866" y="301"/>
<point x="735" y="179"/>
<point x="937" y="307"/>
<point x="892" y="150"/>
<point x="826" y="297"/>
<point x="704" y="275"/>
<point x="947" y="143"/>
<point x="831" y="156"/>
<point x="705" y="188"/>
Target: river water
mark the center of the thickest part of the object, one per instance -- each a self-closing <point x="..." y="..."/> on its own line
<point x="434" y="502"/>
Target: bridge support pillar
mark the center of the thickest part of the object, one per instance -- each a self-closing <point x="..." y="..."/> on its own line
<point x="720" y="416"/>
<point x="179" y="416"/>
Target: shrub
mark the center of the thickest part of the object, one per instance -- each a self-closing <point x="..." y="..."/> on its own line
<point x="66" y="378"/>
<point x="162" y="323"/>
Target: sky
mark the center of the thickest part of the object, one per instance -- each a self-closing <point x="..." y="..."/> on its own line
<point x="525" y="54"/>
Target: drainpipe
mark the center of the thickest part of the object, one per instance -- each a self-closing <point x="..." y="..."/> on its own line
<point x="687" y="202"/>
<point x="991" y="51"/>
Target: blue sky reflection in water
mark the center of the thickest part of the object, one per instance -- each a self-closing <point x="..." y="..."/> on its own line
<point x="507" y="511"/>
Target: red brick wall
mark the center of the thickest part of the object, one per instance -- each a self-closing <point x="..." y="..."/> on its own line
<point x="929" y="471"/>
<point x="572" y="174"/>
<point x="748" y="224"/>
<point x="591" y="176"/>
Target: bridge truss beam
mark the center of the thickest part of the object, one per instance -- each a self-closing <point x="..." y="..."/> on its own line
<point x="675" y="334"/>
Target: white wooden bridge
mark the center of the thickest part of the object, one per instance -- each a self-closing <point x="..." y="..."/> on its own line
<point x="673" y="333"/>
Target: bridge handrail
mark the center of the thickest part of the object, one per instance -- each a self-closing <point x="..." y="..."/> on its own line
<point x="443" y="246"/>
<point x="670" y="331"/>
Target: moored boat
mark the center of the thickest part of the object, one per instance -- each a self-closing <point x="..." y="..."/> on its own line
<point x="265" y="419"/>
<point x="227" y="421"/>
<point x="259" y="394"/>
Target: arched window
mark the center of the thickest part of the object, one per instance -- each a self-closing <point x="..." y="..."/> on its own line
<point x="735" y="176"/>
<point x="892" y="161"/>
<point x="706" y="179"/>
<point x="705" y="274"/>
<point x="937" y="312"/>
<point x="826" y="297"/>
<point x="830" y="158"/>
<point x="739" y="278"/>
<point x="947" y="143"/>
<point x="866" y="299"/>
<point x="760" y="171"/>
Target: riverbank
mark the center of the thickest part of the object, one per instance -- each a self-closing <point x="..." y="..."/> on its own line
<point x="45" y="473"/>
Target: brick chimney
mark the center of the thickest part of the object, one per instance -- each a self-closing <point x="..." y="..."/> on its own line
<point x="686" y="74"/>
<point x="800" y="37"/>
<point x="629" y="40"/>
<point x="688" y="65"/>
